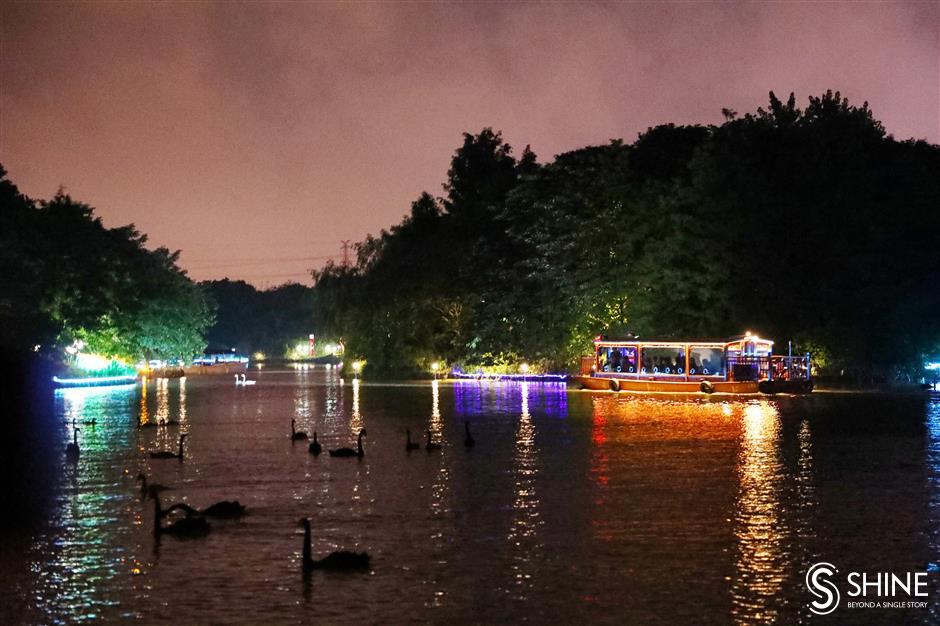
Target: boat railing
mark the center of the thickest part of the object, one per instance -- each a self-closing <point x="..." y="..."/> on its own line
<point x="748" y="368"/>
<point x="790" y="367"/>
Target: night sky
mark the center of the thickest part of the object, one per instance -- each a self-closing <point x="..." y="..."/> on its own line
<point x="255" y="137"/>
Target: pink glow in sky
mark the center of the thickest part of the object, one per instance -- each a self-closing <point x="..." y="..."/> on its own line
<point x="255" y="137"/>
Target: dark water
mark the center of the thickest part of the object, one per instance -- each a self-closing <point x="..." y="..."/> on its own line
<point x="573" y="507"/>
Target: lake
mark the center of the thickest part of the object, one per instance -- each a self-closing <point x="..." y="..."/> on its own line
<point x="572" y="507"/>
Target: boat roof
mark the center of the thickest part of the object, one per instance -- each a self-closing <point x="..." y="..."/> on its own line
<point x="675" y="342"/>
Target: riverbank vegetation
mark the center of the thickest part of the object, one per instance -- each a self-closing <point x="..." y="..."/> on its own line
<point x="71" y="286"/>
<point x="810" y="224"/>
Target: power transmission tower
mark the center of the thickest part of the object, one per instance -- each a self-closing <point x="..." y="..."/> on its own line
<point x="345" y="245"/>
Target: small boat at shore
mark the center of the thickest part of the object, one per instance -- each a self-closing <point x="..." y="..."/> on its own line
<point x="739" y="365"/>
<point x="94" y="381"/>
<point x="206" y="365"/>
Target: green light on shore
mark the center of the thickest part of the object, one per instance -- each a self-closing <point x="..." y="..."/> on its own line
<point x="91" y="362"/>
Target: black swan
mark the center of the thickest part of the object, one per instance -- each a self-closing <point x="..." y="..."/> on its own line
<point x="431" y="447"/>
<point x="72" y="451"/>
<point x="92" y="422"/>
<point x="189" y="526"/>
<point x="337" y="561"/>
<point x="296" y="435"/>
<point x="148" y="489"/>
<point x="166" y="454"/>
<point x="348" y="452"/>
<point x="226" y="509"/>
<point x="315" y="447"/>
<point x="409" y="444"/>
<point x="468" y="440"/>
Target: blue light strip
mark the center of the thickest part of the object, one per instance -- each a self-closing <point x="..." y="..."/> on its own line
<point x="523" y="377"/>
<point x="92" y="381"/>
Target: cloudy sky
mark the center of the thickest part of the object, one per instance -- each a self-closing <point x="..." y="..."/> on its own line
<point x="256" y="136"/>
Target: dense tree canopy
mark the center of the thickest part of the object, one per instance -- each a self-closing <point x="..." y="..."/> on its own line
<point x="806" y="224"/>
<point x="251" y="321"/>
<point x="65" y="277"/>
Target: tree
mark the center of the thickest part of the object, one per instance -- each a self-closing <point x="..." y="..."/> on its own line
<point x="67" y="277"/>
<point x="809" y="224"/>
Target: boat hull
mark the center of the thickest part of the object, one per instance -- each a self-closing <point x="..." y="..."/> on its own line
<point x="218" y="368"/>
<point x="598" y="383"/>
<point x="197" y="370"/>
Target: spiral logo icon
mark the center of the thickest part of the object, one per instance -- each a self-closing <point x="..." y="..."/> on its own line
<point x="823" y="589"/>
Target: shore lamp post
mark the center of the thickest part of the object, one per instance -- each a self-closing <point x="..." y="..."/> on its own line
<point x="357" y="367"/>
<point x="435" y="367"/>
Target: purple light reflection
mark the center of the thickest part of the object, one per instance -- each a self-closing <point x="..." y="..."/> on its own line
<point x="482" y="397"/>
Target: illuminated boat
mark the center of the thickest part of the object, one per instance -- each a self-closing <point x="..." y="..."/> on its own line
<point x="742" y="364"/>
<point x="218" y="363"/>
<point x="208" y="364"/>
<point x="95" y="381"/>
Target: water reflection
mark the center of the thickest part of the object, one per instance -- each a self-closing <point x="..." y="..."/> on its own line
<point x="476" y="398"/>
<point x="760" y="529"/>
<point x="302" y="409"/>
<point x="143" y="416"/>
<point x="355" y="421"/>
<point x="932" y="419"/>
<point x="333" y="403"/>
<point x="75" y="563"/>
<point x="599" y="470"/>
<point x="439" y="486"/>
<point x="163" y="400"/>
<point x="435" y="402"/>
<point x="629" y="510"/>
<point x="81" y="404"/>
<point x="182" y="402"/>
<point x="523" y="537"/>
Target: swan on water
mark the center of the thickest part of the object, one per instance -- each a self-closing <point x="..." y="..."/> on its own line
<point x="189" y="526"/>
<point x="296" y="435"/>
<point x="315" y="447"/>
<point x="148" y="489"/>
<point x="72" y="451"/>
<point x="349" y="452"/>
<point x="409" y="444"/>
<point x="166" y="454"/>
<point x="336" y="561"/>
<point x="468" y="440"/>
<point x="226" y="509"/>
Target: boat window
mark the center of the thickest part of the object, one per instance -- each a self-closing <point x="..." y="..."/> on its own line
<point x="617" y="359"/>
<point x="668" y="360"/>
<point x="706" y="361"/>
<point x="623" y="359"/>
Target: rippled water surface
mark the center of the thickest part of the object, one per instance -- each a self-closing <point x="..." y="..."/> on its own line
<point x="572" y="507"/>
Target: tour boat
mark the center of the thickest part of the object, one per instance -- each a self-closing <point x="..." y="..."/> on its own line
<point x="208" y="364"/>
<point x="744" y="364"/>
